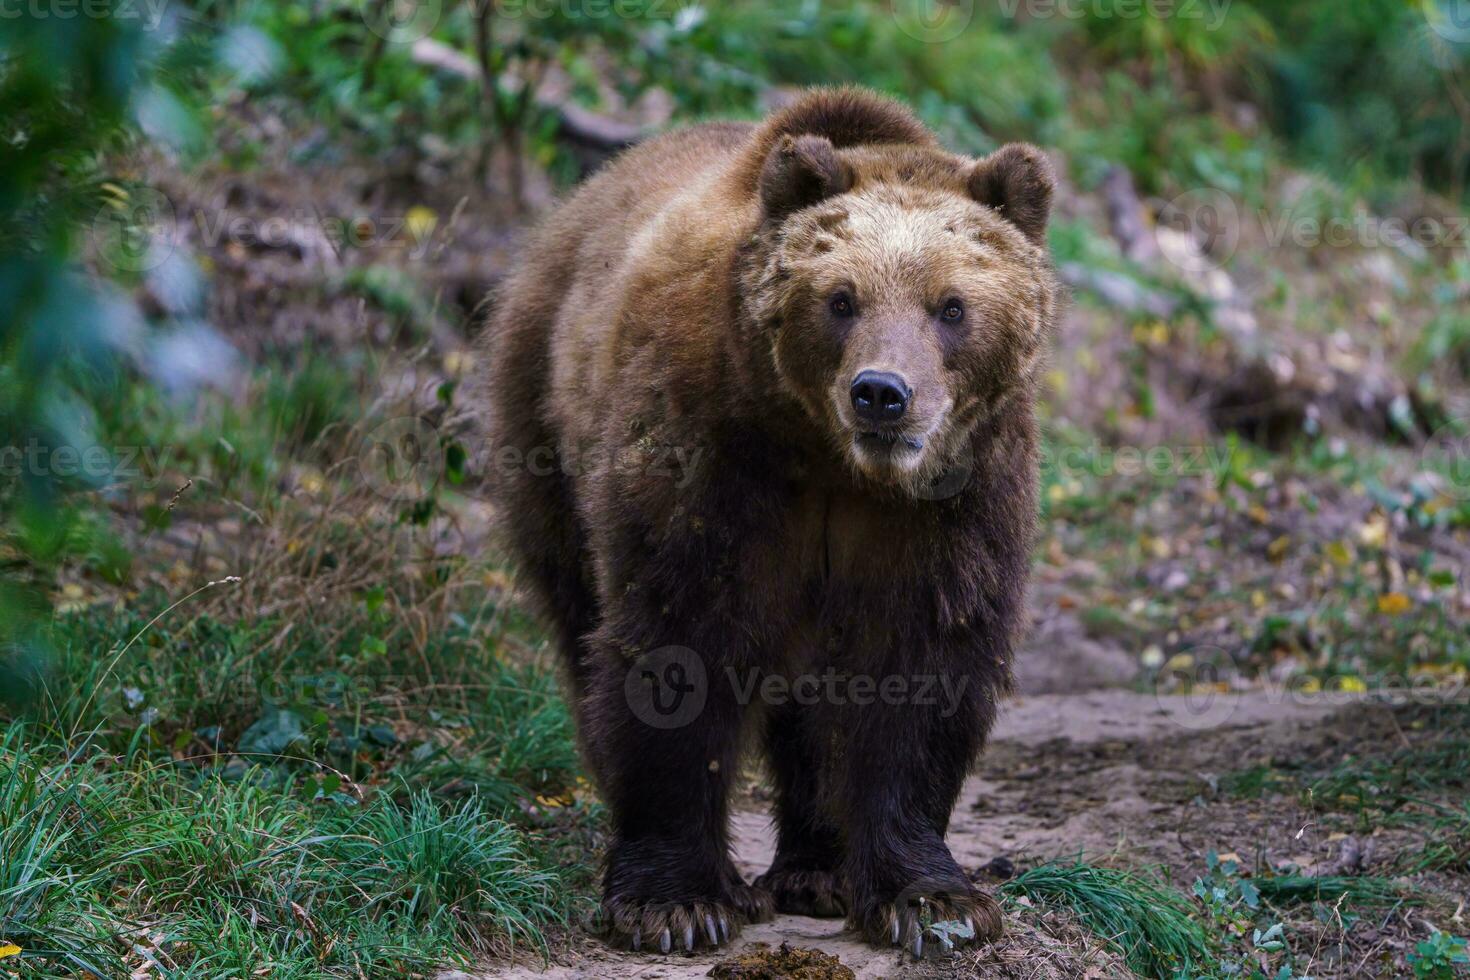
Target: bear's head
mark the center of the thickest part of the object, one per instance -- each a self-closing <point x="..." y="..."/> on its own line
<point x="905" y="293"/>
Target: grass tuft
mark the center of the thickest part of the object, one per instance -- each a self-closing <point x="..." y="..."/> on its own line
<point x="1147" y="922"/>
<point x="453" y="871"/>
<point x="51" y="899"/>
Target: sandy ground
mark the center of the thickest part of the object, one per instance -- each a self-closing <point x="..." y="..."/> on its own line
<point x="1098" y="773"/>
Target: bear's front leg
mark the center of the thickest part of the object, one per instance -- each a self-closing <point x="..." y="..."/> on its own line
<point x="665" y="733"/>
<point x="805" y="878"/>
<point x="907" y="757"/>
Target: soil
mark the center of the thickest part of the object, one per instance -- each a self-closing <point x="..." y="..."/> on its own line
<point x="1119" y="777"/>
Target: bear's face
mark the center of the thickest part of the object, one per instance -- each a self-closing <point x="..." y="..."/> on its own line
<point x="905" y="308"/>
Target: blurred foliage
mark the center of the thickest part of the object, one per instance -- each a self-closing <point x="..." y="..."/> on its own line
<point x="1371" y="86"/>
<point x="66" y="86"/>
<point x="1366" y="90"/>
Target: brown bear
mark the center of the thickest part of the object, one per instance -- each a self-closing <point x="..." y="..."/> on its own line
<point x="761" y="409"/>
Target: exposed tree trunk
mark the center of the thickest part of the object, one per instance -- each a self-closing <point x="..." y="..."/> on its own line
<point x="592" y="137"/>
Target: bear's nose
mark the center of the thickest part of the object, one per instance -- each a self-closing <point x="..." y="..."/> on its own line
<point x="878" y="396"/>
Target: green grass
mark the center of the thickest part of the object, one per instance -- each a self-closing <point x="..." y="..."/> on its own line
<point x="51" y="894"/>
<point x="1256" y="782"/>
<point x="1148" y="923"/>
<point x="353" y="802"/>
<point x="351" y="692"/>
<point x="1358" y="891"/>
<point x="1448" y="844"/>
<point x="236" y="877"/>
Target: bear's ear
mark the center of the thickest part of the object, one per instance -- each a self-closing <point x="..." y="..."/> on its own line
<point x="1017" y="181"/>
<point x="800" y="171"/>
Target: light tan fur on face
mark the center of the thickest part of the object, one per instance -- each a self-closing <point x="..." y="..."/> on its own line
<point x="901" y="252"/>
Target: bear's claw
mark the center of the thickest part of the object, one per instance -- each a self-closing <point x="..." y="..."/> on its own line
<point x="687" y="925"/>
<point x="915" y="922"/>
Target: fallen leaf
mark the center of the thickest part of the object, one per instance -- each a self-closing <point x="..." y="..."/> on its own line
<point x="421" y="222"/>
<point x="1180" y="662"/>
<point x="1394" y="604"/>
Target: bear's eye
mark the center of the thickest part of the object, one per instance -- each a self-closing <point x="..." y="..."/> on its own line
<point x="953" y="312"/>
<point x="841" y="306"/>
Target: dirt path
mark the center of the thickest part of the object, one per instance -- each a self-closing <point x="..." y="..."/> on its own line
<point x="1100" y="773"/>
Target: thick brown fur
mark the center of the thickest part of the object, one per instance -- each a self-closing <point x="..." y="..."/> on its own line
<point x="672" y="440"/>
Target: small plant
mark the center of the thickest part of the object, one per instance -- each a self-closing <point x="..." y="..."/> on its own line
<point x="1440" y="957"/>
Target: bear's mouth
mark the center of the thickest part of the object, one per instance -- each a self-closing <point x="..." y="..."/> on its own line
<point x="889" y="442"/>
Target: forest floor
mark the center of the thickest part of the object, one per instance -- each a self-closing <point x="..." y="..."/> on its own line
<point x="1134" y="780"/>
